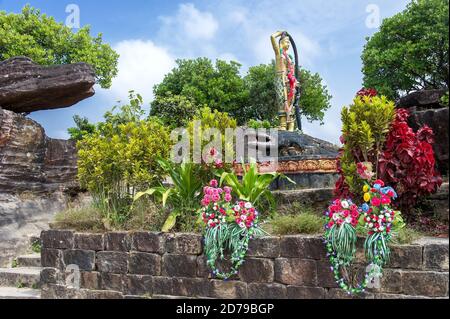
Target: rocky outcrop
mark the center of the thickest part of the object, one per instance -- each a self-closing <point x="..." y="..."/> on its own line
<point x="30" y="161"/>
<point x="426" y="109"/>
<point x="28" y="87"/>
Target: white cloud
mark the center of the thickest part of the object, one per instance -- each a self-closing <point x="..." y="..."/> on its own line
<point x="142" y="64"/>
<point x="191" y="23"/>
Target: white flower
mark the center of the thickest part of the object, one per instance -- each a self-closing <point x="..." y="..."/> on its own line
<point x="242" y="225"/>
<point x="345" y="204"/>
<point x="381" y="228"/>
<point x="237" y="208"/>
<point x="248" y="205"/>
<point x="368" y="219"/>
<point x="389" y="220"/>
<point x="387" y="215"/>
<point x="335" y="217"/>
<point x="348" y="220"/>
<point x="243" y="217"/>
<point x="371" y="225"/>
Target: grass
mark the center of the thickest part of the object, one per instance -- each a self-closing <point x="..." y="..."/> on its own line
<point x="304" y="223"/>
<point x="86" y="218"/>
<point x="14" y="263"/>
<point x="36" y="247"/>
<point x="406" y="236"/>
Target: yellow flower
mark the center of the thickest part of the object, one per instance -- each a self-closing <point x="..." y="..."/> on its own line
<point x="366" y="197"/>
<point x="366" y="188"/>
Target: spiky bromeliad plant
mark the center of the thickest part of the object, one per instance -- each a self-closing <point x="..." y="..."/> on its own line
<point x="183" y="196"/>
<point x="228" y="228"/>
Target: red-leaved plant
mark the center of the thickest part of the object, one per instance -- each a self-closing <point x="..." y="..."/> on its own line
<point x="407" y="162"/>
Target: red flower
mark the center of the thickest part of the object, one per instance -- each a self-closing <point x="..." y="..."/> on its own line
<point x="376" y="202"/>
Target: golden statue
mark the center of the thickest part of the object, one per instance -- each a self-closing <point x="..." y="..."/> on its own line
<point x="286" y="81"/>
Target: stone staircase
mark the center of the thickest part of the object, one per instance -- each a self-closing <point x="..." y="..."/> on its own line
<point x="22" y="280"/>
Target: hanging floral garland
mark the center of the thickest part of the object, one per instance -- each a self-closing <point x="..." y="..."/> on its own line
<point x="377" y="217"/>
<point x="227" y="228"/>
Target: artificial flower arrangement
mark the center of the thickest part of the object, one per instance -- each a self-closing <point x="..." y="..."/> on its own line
<point x="228" y="226"/>
<point x="380" y="221"/>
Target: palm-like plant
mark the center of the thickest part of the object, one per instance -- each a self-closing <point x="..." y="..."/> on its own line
<point x="183" y="197"/>
<point x="254" y="186"/>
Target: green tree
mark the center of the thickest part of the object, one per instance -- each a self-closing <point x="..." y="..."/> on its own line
<point x="82" y="128"/>
<point x="218" y="86"/>
<point x="174" y="110"/>
<point x="260" y="80"/>
<point x="48" y="42"/>
<point x="410" y="52"/>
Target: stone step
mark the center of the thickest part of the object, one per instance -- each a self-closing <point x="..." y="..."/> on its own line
<point x="20" y="277"/>
<point x="33" y="260"/>
<point x="19" y="293"/>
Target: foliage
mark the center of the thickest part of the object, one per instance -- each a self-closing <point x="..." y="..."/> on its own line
<point x="227" y="227"/>
<point x="84" y="218"/>
<point x="218" y="86"/>
<point x="254" y="186"/>
<point x="444" y="99"/>
<point x="304" y="223"/>
<point x="36" y="246"/>
<point x="183" y="197"/>
<point x="365" y="125"/>
<point x="254" y="124"/>
<point x="408" y="163"/>
<point x="120" y="159"/>
<point x="83" y="128"/>
<point x="410" y="52"/>
<point x="406" y="236"/>
<point x="48" y="42"/>
<point x="221" y="88"/>
<point x="174" y="110"/>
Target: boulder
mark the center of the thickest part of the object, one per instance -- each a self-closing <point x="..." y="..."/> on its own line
<point x="422" y="99"/>
<point x="426" y="109"/>
<point x="27" y="87"/>
<point x="32" y="162"/>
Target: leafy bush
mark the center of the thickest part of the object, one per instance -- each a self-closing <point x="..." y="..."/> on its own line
<point x="48" y="42"/>
<point x="120" y="159"/>
<point x="183" y="198"/>
<point x="406" y="236"/>
<point x="365" y="125"/>
<point x="83" y="128"/>
<point x="254" y="124"/>
<point x="174" y="110"/>
<point x="407" y="162"/>
<point x="444" y="99"/>
<point x="305" y="223"/>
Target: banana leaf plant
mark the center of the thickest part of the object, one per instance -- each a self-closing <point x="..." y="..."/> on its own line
<point x="183" y="196"/>
<point x="253" y="186"/>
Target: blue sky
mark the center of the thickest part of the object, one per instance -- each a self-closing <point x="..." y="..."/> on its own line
<point x="150" y="35"/>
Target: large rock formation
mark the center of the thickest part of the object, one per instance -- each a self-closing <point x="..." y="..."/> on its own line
<point x="28" y="87"/>
<point x="426" y="109"/>
<point x="30" y="161"/>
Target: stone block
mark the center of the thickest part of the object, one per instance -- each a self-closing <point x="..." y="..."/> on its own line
<point x="300" y="246"/>
<point x="52" y="258"/>
<point x="162" y="286"/>
<point x="184" y="244"/>
<point x="257" y="270"/>
<point x="203" y="271"/>
<point x="57" y="239"/>
<point x="267" y="247"/>
<point x="144" y="264"/>
<point x="266" y="291"/>
<point x="325" y="277"/>
<point x="336" y="293"/>
<point x="149" y="242"/>
<point x="406" y="257"/>
<point x="425" y="283"/>
<point x="119" y="241"/>
<point x="297" y="272"/>
<point x="113" y="282"/>
<point x="228" y="289"/>
<point x="90" y="280"/>
<point x="191" y="287"/>
<point x="48" y="276"/>
<point x="112" y="262"/>
<point x="138" y="285"/>
<point x="88" y="241"/>
<point x="294" y="292"/>
<point x="435" y="256"/>
<point x="84" y="259"/>
<point x="179" y="265"/>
